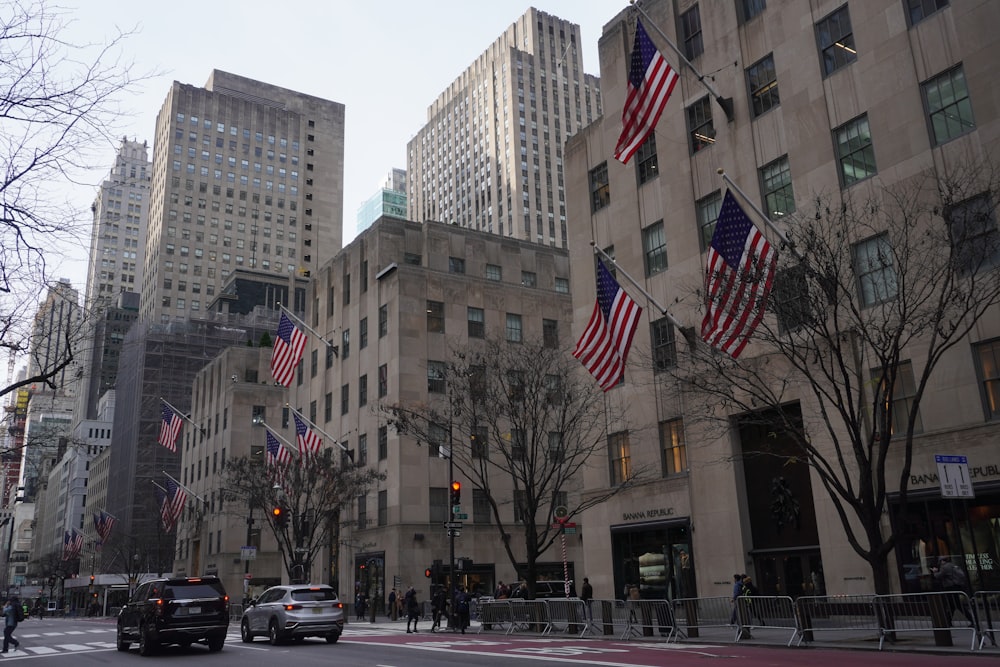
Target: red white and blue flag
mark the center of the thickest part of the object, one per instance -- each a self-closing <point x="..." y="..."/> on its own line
<point x="288" y="347"/>
<point x="276" y="452"/>
<point x="603" y="347"/>
<point x="72" y="544"/>
<point x="309" y="443"/>
<point x="170" y="427"/>
<point x="651" y="79"/>
<point x="103" y="523"/>
<point x="741" y="265"/>
<point x="171" y="504"/>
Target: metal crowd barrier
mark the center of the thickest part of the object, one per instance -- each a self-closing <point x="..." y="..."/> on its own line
<point x="529" y="616"/>
<point x="568" y="615"/>
<point x="235" y="611"/>
<point x="836" y="613"/>
<point x="987" y="610"/>
<point x="648" y="616"/>
<point x="495" y="614"/>
<point x="774" y="612"/>
<point x="923" y="612"/>
<point x="607" y="616"/>
<point x="694" y="614"/>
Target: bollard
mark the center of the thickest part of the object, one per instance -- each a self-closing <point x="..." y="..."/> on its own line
<point x="608" y="616"/>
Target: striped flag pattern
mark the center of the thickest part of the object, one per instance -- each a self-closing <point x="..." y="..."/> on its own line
<point x="288" y="347"/>
<point x="651" y="79"/>
<point x="171" y="504"/>
<point x="72" y="544"/>
<point x="170" y="427"/>
<point x="603" y="347"/>
<point x="103" y="523"/>
<point x="309" y="443"/>
<point x="741" y="266"/>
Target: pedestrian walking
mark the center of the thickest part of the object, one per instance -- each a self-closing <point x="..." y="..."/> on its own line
<point x="587" y="595"/>
<point x="10" y="610"/>
<point x="462" y="600"/>
<point x="391" y="611"/>
<point x="439" y="604"/>
<point x="952" y="579"/>
<point x="412" y="608"/>
<point x="737" y="590"/>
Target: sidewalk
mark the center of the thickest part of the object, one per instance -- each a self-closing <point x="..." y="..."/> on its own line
<point x="849" y="640"/>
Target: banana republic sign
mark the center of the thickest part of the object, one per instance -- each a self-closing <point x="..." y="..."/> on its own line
<point x="987" y="471"/>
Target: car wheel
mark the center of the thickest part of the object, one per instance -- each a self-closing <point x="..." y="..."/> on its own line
<point x="216" y="642"/>
<point x="272" y="633"/>
<point x="123" y="644"/>
<point x="147" y="645"/>
<point x="332" y="637"/>
<point x="245" y="633"/>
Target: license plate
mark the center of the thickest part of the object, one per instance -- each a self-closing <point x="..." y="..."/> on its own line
<point x="194" y="610"/>
<point x="317" y="610"/>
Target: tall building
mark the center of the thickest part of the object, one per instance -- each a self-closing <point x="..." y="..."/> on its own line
<point x="390" y="200"/>
<point x="829" y="98"/>
<point x="245" y="175"/>
<point x="490" y="157"/>
<point x="118" y="233"/>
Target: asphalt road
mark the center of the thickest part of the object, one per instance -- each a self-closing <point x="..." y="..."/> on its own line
<point x="83" y="642"/>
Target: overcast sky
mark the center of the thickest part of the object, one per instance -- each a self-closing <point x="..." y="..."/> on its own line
<point x="385" y="61"/>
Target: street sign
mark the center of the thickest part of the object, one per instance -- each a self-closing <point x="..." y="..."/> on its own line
<point x="455" y="509"/>
<point x="570" y="531"/>
<point x="953" y="474"/>
<point x="453" y="524"/>
<point x="248" y="553"/>
<point x="463" y="515"/>
<point x="454" y="532"/>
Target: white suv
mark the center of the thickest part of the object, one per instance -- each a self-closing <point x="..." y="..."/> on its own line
<point x="294" y="612"/>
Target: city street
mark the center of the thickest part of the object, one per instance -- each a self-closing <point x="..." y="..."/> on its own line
<point x="65" y="642"/>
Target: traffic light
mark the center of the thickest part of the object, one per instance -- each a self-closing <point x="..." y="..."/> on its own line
<point x="427" y="572"/>
<point x="280" y="516"/>
<point x="91" y="580"/>
<point x="456" y="493"/>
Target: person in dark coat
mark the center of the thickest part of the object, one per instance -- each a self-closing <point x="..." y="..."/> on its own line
<point x="412" y="608"/>
<point x="462" y="601"/>
<point x="10" y="622"/>
<point x="439" y="605"/>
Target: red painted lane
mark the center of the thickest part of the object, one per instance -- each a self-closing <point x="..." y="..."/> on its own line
<point x="636" y="654"/>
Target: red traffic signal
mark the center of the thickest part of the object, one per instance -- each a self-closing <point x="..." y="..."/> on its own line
<point x="279" y="515"/>
<point x="427" y="572"/>
<point x="456" y="493"/>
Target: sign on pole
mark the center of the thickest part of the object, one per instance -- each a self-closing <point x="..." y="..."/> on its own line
<point x="953" y="474"/>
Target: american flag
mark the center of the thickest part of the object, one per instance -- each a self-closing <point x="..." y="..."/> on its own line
<point x="604" y="345"/>
<point x="170" y="427"/>
<point x="103" y="523"/>
<point x="288" y="347"/>
<point x="651" y="79"/>
<point x="309" y="443"/>
<point x="171" y="504"/>
<point x="276" y="452"/>
<point x="741" y="265"/>
<point x="72" y="544"/>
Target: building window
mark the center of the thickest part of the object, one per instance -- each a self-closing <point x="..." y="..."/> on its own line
<point x="562" y="285"/>
<point x="776" y="181"/>
<point x="949" y="108"/>
<point x="750" y="9"/>
<point x="435" y="316"/>
<point x="691" y="33"/>
<point x="383" y="443"/>
<point x="661" y="334"/>
<point x="345" y="344"/>
<point x="456" y="265"/>
<point x="855" y="151"/>
<point x="550" y="333"/>
<point x="874" y="267"/>
<point x="620" y="457"/>
<point x="518" y="444"/>
<point x="988" y="370"/>
<point x="790" y="298"/>
<point x="480" y="443"/>
<point x="903" y="391"/>
<point x="413" y="259"/>
<point x="481" y="510"/>
<point x="707" y="210"/>
<point x="513" y="328"/>
<point x="345" y="396"/>
<point x="494" y="272"/>
<point x="383" y="381"/>
<point x="529" y="279"/>
<point x="763" y="84"/>
<point x="383" y="508"/>
<point x="363" y="333"/>
<point x="972" y="225"/>
<point x="363" y="449"/>
<point x="673" y="448"/>
<point x="654" y="249"/>
<point x="477" y="322"/>
<point x="383" y="321"/>
<point x="330" y="354"/>
<point x="700" y="127"/>
<point x="362" y="512"/>
<point x="556" y="450"/>
<point x="363" y="390"/>
<point x="436" y="377"/>
<point x="918" y="10"/>
<point x="328" y="407"/>
<point x="646" y="165"/>
<point x="439" y="509"/>
<point x="836" y="41"/>
<point x="437" y="437"/>
<point x="600" y="190"/>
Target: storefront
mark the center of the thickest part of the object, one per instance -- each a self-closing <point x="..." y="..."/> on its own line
<point x="657" y="557"/>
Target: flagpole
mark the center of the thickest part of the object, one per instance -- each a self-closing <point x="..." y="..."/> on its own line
<point x="685" y="331"/>
<point x="325" y="434"/>
<point x="725" y="102"/>
<point x="277" y="437"/>
<point x="182" y="415"/>
<point x="756" y="209"/>
<point x="336" y="349"/>
<point x="189" y="491"/>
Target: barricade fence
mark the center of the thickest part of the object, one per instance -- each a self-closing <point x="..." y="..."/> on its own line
<point x="936" y="613"/>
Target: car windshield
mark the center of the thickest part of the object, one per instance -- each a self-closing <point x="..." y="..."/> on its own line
<point x="313" y="594"/>
<point x="190" y="590"/>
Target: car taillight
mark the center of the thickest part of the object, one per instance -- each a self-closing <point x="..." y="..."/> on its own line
<point x="292" y="607"/>
<point x="339" y="605"/>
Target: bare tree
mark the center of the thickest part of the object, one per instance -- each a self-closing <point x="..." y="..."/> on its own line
<point x="521" y="422"/>
<point x="58" y="107"/>
<point x="310" y="498"/>
<point x="869" y="302"/>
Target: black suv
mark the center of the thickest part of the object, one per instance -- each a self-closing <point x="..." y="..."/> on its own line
<point x="180" y="610"/>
